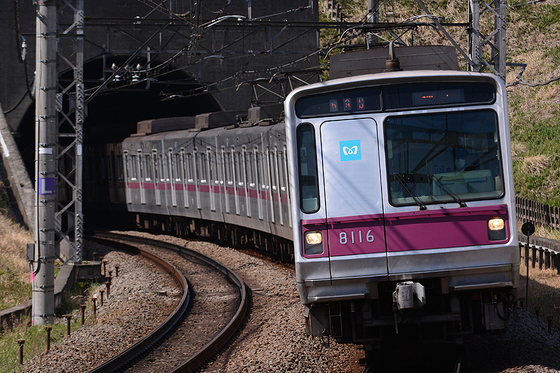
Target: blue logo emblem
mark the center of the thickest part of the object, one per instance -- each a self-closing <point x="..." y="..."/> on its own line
<point x="350" y="150"/>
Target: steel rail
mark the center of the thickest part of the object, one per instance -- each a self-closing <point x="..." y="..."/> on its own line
<point x="138" y="348"/>
<point x="212" y="347"/>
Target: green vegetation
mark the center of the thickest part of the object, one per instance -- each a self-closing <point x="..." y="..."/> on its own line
<point x="533" y="32"/>
<point x="15" y="286"/>
<point x="35" y="342"/>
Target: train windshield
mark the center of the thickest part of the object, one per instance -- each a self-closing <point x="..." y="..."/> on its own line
<point x="443" y="158"/>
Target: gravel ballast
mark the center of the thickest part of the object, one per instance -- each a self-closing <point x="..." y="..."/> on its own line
<point x="274" y="338"/>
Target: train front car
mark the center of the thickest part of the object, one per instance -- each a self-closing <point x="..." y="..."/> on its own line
<point x="403" y="205"/>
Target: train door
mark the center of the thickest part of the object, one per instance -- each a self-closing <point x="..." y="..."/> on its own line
<point x="353" y="198"/>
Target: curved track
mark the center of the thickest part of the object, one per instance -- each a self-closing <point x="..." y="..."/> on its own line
<point x="165" y="331"/>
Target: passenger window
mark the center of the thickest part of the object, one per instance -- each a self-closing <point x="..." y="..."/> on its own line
<point x="155" y="166"/>
<point x="177" y="167"/>
<point x="189" y="163"/>
<point x="120" y="172"/>
<point x="132" y="167"/>
<point x="307" y="169"/>
<point x="203" y="167"/>
<point x="148" y="167"/>
<point x="238" y="171"/>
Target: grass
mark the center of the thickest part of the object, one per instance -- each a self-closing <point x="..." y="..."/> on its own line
<point x="15" y="285"/>
<point x="533" y="33"/>
<point x="15" y="288"/>
<point x="35" y="342"/>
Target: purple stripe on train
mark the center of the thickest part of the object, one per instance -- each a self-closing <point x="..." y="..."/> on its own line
<point x="398" y="232"/>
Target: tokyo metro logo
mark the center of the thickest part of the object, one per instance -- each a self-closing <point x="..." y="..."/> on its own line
<point x="350" y="150"/>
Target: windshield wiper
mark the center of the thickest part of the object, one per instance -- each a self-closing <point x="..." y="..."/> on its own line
<point x="402" y="181"/>
<point x="449" y="192"/>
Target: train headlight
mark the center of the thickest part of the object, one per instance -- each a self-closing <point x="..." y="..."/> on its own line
<point x="497" y="229"/>
<point x="313" y="243"/>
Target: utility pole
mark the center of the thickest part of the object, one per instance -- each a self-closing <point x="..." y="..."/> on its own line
<point x="45" y="161"/>
<point x="372" y="17"/>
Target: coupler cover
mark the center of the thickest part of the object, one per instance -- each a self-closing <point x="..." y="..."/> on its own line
<point x="409" y="295"/>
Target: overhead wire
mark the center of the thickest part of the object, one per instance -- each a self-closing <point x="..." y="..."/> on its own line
<point x="335" y="42"/>
<point x="21" y="53"/>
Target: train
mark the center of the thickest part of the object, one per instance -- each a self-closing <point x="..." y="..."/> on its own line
<point x="392" y="193"/>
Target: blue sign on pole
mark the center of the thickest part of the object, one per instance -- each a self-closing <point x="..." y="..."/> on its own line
<point x="46" y="186"/>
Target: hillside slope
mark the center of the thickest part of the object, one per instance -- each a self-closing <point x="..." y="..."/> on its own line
<point x="533" y="32"/>
<point x="14" y="271"/>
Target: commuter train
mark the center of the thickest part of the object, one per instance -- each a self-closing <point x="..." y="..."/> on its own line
<point x="391" y="192"/>
<point x="403" y="205"/>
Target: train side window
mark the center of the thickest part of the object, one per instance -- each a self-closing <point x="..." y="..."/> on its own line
<point x="177" y="167"/>
<point x="189" y="167"/>
<point x="181" y="163"/>
<point x="307" y="169"/>
<point x="263" y="167"/>
<point x="284" y="173"/>
<point x="272" y="154"/>
<point x="256" y="166"/>
<point x="247" y="170"/>
<point x="228" y="169"/>
<point x="238" y="170"/>
<point x="132" y="167"/>
<point x="162" y="173"/>
<point x="140" y="166"/>
<point x="148" y="167"/>
<point x="250" y="169"/>
<point x="211" y="166"/>
<point x="203" y="167"/>
<point x="120" y="173"/>
<point x="155" y="167"/>
<point x="112" y="166"/>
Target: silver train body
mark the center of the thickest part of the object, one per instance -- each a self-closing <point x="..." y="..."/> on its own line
<point x="230" y="175"/>
<point x="403" y="205"/>
<point x="392" y="235"/>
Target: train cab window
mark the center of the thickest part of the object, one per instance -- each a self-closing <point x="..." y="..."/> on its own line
<point x="307" y="169"/>
<point x="449" y="157"/>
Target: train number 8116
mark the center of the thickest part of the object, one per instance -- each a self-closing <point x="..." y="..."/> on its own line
<point x="356" y="238"/>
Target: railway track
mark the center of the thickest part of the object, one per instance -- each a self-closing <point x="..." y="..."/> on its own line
<point x="198" y="328"/>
